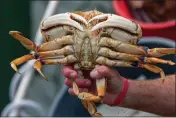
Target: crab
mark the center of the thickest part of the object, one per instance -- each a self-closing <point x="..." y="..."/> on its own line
<point x="87" y="39"/>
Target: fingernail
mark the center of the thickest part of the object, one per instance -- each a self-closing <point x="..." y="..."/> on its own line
<point x="94" y="74"/>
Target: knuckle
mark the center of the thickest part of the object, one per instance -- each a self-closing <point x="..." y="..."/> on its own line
<point x="103" y="69"/>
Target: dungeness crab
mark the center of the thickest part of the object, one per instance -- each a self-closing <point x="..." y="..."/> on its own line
<point x="87" y="39"/>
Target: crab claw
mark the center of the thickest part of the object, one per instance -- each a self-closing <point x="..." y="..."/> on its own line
<point x="111" y="20"/>
<point x="70" y="19"/>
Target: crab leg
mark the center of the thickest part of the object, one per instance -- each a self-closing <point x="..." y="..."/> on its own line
<point x="103" y="60"/>
<point x="25" y="41"/>
<point x="158" y="52"/>
<point x="152" y="68"/>
<point x="63" y="51"/>
<point x="90" y="106"/>
<point x="131" y="57"/>
<point x="117" y="55"/>
<point x="87" y="98"/>
<point x="100" y="84"/>
<point x="38" y="66"/>
<point x="157" y="60"/>
<point x="56" y="44"/>
<point x="20" y="60"/>
<point x="122" y="47"/>
<point x="65" y="60"/>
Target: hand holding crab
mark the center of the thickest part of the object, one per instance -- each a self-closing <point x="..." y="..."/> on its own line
<point x="87" y="39"/>
<point x="114" y="81"/>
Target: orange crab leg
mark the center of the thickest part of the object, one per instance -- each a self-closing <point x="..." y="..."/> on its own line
<point x="154" y="69"/>
<point x="157" y="60"/>
<point x="38" y="66"/>
<point x="100" y="84"/>
<point x="25" y="41"/>
<point x="158" y="52"/>
<point x="20" y="60"/>
<point x="88" y="98"/>
<point x="90" y="106"/>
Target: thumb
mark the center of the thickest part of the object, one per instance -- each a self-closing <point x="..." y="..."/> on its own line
<point x="103" y="71"/>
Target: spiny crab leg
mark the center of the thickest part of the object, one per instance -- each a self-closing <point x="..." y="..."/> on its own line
<point x="100" y="84"/>
<point x="87" y="98"/>
<point x="67" y="50"/>
<point x="56" y="43"/>
<point x="25" y="41"/>
<point x="106" y="52"/>
<point x="105" y="61"/>
<point x="38" y="66"/>
<point x="121" y="46"/>
<point x="133" y="49"/>
<point x="40" y="55"/>
<point x="152" y="68"/>
<point x="20" y="60"/>
<point x="90" y="106"/>
<point x="158" y="52"/>
<point x="157" y="60"/>
<point x="65" y="60"/>
<point x="39" y="63"/>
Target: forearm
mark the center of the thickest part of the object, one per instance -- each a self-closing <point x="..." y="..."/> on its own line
<point x="152" y="96"/>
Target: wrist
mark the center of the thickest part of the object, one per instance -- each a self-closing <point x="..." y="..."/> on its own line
<point x="122" y="93"/>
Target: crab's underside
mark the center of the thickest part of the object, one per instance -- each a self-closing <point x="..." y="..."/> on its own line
<point x="87" y="39"/>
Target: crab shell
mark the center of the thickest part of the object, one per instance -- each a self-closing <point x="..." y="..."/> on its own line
<point x="88" y="30"/>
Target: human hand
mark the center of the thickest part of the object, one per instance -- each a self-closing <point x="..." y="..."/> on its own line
<point x="114" y="85"/>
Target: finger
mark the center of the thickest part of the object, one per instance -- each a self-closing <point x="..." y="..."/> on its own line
<point x="69" y="72"/>
<point x="81" y="83"/>
<point x="103" y="71"/>
<point x="68" y="82"/>
<point x="70" y="90"/>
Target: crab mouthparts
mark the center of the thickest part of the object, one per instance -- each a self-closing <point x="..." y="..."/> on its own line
<point x="87" y="65"/>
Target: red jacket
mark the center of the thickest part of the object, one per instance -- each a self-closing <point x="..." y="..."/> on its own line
<point x="162" y="29"/>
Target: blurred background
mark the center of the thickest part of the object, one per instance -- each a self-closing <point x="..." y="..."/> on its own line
<point x="25" y="16"/>
<point x="15" y="15"/>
